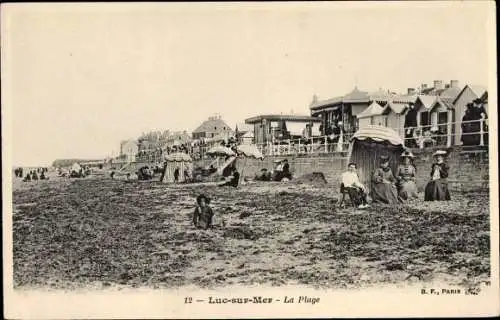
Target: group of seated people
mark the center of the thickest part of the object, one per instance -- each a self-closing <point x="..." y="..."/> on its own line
<point x="394" y="189"/>
<point x="282" y="171"/>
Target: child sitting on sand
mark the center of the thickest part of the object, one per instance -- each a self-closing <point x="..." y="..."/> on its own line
<point x="203" y="214"/>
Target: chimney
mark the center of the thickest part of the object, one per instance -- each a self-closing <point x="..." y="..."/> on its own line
<point x="454" y="83"/>
<point x="438" y="84"/>
<point x="411" y="91"/>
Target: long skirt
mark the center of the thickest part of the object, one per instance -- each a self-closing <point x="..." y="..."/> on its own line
<point x="385" y="193"/>
<point x="437" y="190"/>
<point x="408" y="190"/>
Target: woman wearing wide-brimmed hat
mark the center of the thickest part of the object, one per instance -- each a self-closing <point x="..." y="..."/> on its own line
<point x="406" y="177"/>
<point x="384" y="189"/>
<point x="437" y="188"/>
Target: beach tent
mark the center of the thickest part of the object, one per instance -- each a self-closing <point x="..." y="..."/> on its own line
<point x="366" y="147"/>
<point x="75" y="167"/>
<point x="248" y="151"/>
<point x="174" y="161"/>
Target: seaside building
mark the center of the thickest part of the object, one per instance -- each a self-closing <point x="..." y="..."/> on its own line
<point x="128" y="150"/>
<point x="273" y="127"/>
<point x="212" y="127"/>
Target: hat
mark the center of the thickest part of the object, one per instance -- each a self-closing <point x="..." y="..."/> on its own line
<point x="202" y="196"/>
<point x="440" y="153"/>
<point x="384" y="159"/>
<point x="408" y="154"/>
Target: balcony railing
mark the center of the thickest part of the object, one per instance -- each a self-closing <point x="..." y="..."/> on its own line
<point x="413" y="137"/>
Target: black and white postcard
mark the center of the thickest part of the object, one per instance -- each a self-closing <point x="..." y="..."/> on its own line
<point x="249" y="159"/>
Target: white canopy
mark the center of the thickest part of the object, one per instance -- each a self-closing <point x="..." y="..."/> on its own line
<point x="378" y="133"/>
<point x="75" y="167"/>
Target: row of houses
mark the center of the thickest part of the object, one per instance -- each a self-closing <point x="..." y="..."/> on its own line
<point x="210" y="132"/>
<point x="434" y="112"/>
<point x="427" y="111"/>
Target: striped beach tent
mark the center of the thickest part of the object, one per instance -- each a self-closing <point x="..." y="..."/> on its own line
<point x="176" y="161"/>
<point x="368" y="144"/>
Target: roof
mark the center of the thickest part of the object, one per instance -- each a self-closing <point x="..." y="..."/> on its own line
<point x="405" y="98"/>
<point x="396" y="107"/>
<point x="211" y="124"/>
<point x="128" y="141"/>
<point x="484" y="97"/>
<point x="378" y="133"/>
<point x="178" y="157"/>
<point x="447" y="102"/>
<point x="327" y="102"/>
<point x="381" y="95"/>
<point x="243" y="127"/>
<point x="373" y="110"/>
<point x="427" y="101"/>
<point x="451" y="92"/>
<point x="355" y="96"/>
<point x="282" y="117"/>
<point x="477" y="89"/>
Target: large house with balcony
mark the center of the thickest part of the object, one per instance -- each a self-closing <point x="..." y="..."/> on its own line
<point x="272" y="128"/>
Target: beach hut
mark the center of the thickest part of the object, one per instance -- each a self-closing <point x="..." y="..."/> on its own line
<point x="367" y="146"/>
<point x="75" y="167"/>
<point x="176" y="161"/>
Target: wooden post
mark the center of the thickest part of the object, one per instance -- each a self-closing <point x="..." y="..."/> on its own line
<point x="449" y="130"/>
<point x="326" y="145"/>
<point x="481" y="131"/>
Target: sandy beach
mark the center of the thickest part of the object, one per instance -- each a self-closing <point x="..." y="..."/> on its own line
<point x="100" y="233"/>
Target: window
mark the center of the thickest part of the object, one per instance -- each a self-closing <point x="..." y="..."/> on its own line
<point x="425" y="118"/>
<point x="442" y="117"/>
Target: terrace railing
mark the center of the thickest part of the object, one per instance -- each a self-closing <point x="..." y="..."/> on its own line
<point x="413" y="137"/>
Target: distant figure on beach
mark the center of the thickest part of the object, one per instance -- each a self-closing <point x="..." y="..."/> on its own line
<point x="28" y="177"/>
<point x="34" y="176"/>
<point x="234" y="180"/>
<point x="187" y="176"/>
<point x="203" y="214"/>
<point x="19" y="172"/>
<point x="212" y="169"/>
<point x="42" y="176"/>
<point x="176" y="175"/>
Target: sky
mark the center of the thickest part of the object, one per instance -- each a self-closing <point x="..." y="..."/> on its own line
<point x="78" y="79"/>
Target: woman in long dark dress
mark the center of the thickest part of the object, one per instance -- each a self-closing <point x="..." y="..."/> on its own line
<point x="406" y="177"/>
<point x="437" y="188"/>
<point x="383" y="188"/>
